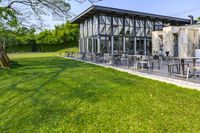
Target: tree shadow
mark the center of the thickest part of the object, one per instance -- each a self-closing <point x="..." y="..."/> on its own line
<point x="50" y="70"/>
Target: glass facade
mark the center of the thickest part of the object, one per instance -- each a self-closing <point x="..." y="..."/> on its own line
<point x="107" y="33"/>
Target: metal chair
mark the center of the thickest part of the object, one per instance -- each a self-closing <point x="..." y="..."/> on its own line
<point x="107" y="58"/>
<point x="98" y="57"/>
<point x="142" y="62"/>
<point x="196" y="68"/>
<point x="124" y="59"/>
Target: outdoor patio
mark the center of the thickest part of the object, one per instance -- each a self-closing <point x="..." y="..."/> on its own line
<point x="175" y="69"/>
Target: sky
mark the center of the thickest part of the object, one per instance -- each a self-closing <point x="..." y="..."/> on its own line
<point x="175" y="8"/>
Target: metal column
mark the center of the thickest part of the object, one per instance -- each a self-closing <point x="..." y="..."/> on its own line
<point x="145" y="46"/>
<point x="98" y="50"/>
<point x="112" y="45"/>
<point x="135" y="50"/>
<point x="124" y="44"/>
<point x="92" y="44"/>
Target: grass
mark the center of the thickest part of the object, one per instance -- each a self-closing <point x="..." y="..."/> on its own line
<point x="52" y="94"/>
<point x="74" y="49"/>
<point x="14" y="56"/>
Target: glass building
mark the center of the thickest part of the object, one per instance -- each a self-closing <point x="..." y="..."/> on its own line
<point x="110" y="30"/>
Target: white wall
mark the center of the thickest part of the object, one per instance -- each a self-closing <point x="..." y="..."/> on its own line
<point x="188" y="40"/>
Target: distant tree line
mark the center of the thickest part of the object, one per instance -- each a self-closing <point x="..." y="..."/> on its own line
<point x="25" y="39"/>
<point x="20" y="18"/>
<point x="198" y="19"/>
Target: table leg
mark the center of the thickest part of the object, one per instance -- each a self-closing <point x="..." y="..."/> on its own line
<point x="194" y="70"/>
<point x="183" y="66"/>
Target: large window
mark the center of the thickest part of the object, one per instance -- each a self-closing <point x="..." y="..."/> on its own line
<point x="108" y="25"/>
<point x="115" y="45"/>
<point x="118" y="26"/>
<point x="149" y="28"/>
<point x="158" y="26"/>
<point x="129" y="27"/>
<point x="90" y="45"/>
<point x="81" y="30"/>
<point x="102" y="24"/>
<point x="85" y="29"/>
<point x="95" y="45"/>
<point x="90" y="27"/>
<point x="148" y="46"/>
<point x="102" y="44"/>
<point x="105" y="44"/>
<point x="118" y="45"/>
<point x="130" y="46"/>
<point x="95" y="25"/>
<point x="108" y="44"/>
<point x="140" y="28"/>
<point x="140" y="46"/>
<point x="85" y="46"/>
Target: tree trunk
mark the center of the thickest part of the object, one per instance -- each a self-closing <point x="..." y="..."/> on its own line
<point x="4" y="59"/>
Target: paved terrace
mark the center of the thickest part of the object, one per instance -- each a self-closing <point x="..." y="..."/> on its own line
<point x="155" y="74"/>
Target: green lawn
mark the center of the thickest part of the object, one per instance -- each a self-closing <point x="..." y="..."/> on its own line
<point x="53" y="94"/>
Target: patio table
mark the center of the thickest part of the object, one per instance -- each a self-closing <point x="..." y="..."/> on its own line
<point x="182" y="62"/>
<point x="130" y="57"/>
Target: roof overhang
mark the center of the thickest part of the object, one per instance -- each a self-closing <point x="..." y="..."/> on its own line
<point x="100" y="9"/>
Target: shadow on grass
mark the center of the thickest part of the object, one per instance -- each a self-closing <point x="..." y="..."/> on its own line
<point x="26" y="73"/>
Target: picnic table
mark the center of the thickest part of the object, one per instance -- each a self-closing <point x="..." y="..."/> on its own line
<point x="182" y="62"/>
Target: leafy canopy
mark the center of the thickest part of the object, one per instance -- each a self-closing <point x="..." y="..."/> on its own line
<point x="198" y="19"/>
<point x="13" y="12"/>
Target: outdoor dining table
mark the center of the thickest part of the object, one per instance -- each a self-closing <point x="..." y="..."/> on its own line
<point x="132" y="56"/>
<point x="182" y="62"/>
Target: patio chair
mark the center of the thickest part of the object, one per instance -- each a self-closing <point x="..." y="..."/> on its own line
<point x="197" y="71"/>
<point x="131" y="61"/>
<point x="107" y="58"/>
<point x="78" y="55"/>
<point x="87" y="57"/>
<point x="67" y="54"/>
<point x="124" y="60"/>
<point x="171" y="68"/>
<point x="152" y="62"/>
<point x="115" y="59"/>
<point x="83" y="56"/>
<point x="72" y="54"/>
<point x="98" y="58"/>
<point x="144" y="61"/>
<point x="172" y="65"/>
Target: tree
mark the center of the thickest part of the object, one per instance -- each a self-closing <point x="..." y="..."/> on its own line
<point x="198" y="19"/>
<point x="15" y="11"/>
<point x="65" y="34"/>
<point x="91" y="1"/>
<point x="12" y="12"/>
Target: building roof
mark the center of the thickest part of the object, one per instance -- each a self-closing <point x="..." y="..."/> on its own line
<point x="101" y="9"/>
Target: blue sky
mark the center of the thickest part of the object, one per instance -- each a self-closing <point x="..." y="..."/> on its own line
<point x="176" y="8"/>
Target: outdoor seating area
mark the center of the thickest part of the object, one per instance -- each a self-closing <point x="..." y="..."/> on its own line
<point x="174" y="67"/>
